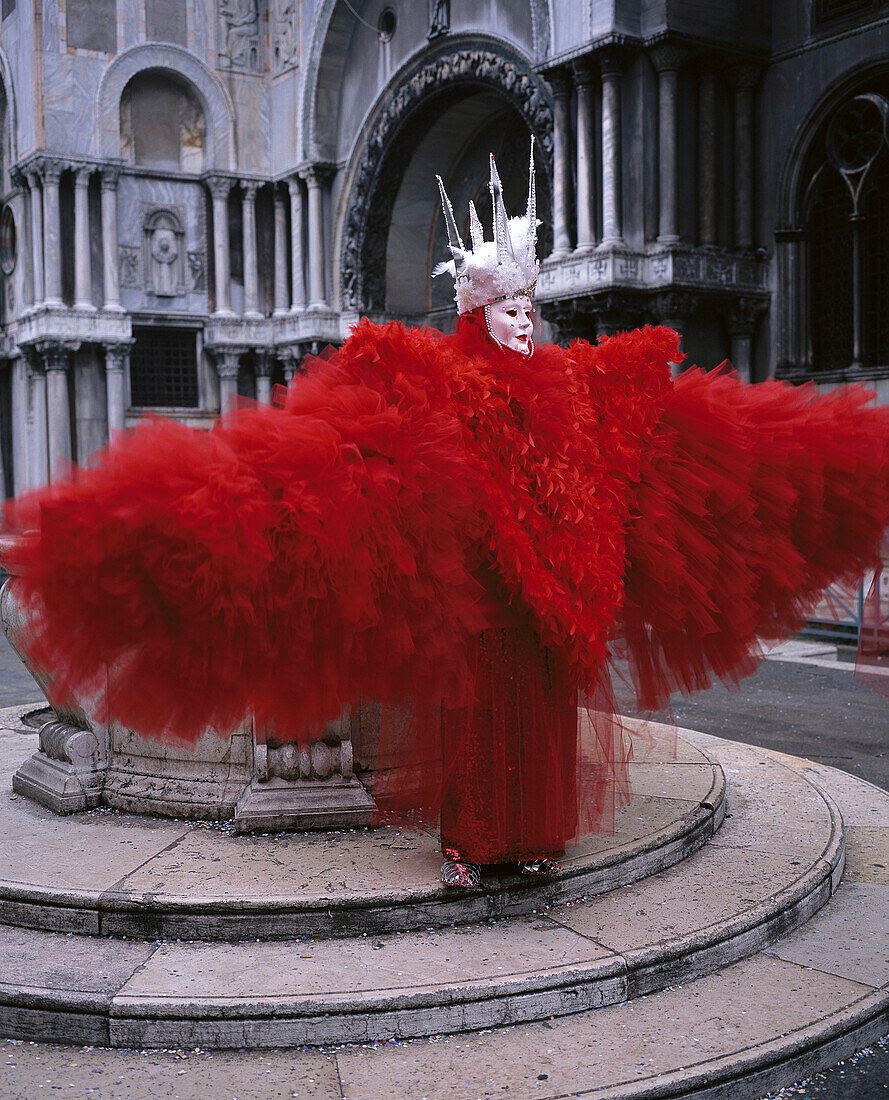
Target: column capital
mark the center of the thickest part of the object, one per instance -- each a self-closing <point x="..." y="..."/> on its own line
<point x="264" y="360"/>
<point x="227" y="361"/>
<point x="33" y="177"/>
<point x="316" y="175"/>
<point x="82" y="173"/>
<point x="109" y="174"/>
<point x="559" y="81"/>
<point x="667" y="57"/>
<point x="744" y="77"/>
<point x="18" y="178"/>
<point x="51" y="168"/>
<point x="250" y="188"/>
<point x="584" y="71"/>
<point x="117" y="355"/>
<point x="219" y="186"/>
<point x="612" y="60"/>
<point x="56" y="354"/>
<point x="743" y="315"/>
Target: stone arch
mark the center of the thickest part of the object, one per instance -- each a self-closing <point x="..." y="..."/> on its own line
<point x="368" y="198"/>
<point x="215" y="100"/>
<point x="11" y="117"/>
<point x="323" y="69"/>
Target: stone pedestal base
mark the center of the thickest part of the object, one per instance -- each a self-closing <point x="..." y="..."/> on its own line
<point x="68" y="773"/>
<point x="278" y="804"/>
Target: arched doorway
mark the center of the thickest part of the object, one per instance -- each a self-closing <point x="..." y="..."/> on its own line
<point x="444" y="119"/>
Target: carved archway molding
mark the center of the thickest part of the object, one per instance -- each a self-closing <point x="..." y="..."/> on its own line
<point x="312" y="149"/>
<point x="217" y="104"/>
<point x="484" y="68"/>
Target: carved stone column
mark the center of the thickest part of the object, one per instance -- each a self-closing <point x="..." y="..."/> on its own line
<point x="789" y="242"/>
<point x="264" y="361"/>
<point x="282" y="291"/>
<point x="110" y="177"/>
<point x="668" y="60"/>
<point x="742" y="318"/>
<point x="38" y="460"/>
<point x="251" y="276"/>
<point x="584" y="78"/>
<point x="219" y="187"/>
<point x="83" y="277"/>
<point x="744" y="81"/>
<point x="117" y="359"/>
<point x="297" y="245"/>
<point x="707" y="154"/>
<point x="290" y="361"/>
<point x="52" y="234"/>
<point x="34" y="185"/>
<point x="57" y="364"/>
<point x="561" y="89"/>
<point x="314" y="177"/>
<point x="611" y="63"/>
<point x="228" y="366"/>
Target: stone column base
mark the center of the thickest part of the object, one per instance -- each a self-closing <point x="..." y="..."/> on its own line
<point x="67" y="775"/>
<point x="280" y="804"/>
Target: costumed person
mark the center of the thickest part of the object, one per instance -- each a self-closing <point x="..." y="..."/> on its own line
<point x="465" y="528"/>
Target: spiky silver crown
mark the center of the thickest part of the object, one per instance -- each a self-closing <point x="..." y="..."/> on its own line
<point x="492" y="271"/>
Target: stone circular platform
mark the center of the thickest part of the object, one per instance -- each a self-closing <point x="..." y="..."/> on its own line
<point x="767" y="870"/>
<point x="107" y="873"/>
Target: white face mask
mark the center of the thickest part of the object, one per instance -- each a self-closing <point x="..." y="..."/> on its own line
<point x="510" y="324"/>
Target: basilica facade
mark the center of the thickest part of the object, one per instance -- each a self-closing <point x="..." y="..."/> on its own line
<point x="197" y="193"/>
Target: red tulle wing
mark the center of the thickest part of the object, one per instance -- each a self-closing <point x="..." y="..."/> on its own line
<point x="281" y="566"/>
<point x="752" y="500"/>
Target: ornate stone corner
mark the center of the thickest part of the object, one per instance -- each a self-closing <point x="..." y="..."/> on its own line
<point x="67" y="775"/>
<point x="305" y="786"/>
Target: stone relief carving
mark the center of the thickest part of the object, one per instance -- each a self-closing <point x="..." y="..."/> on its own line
<point x="371" y="205"/>
<point x="164" y="252"/>
<point x="439" y="17"/>
<point x="239" y="35"/>
<point x="196" y="273"/>
<point x="130" y="266"/>
<point x="286" y="48"/>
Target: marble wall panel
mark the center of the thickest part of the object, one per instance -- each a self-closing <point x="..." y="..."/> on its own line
<point x="13" y="34"/>
<point x="136" y="196"/>
<point x="253" y="122"/>
<point x="571" y="21"/>
<point x="284" y="129"/>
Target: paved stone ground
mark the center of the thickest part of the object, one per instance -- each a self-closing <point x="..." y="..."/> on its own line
<point x="816" y="711"/>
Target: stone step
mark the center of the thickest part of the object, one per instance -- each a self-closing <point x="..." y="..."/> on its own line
<point x="773" y="864"/>
<point x="109" y="873"/>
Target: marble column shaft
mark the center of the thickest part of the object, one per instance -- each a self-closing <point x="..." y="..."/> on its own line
<point x="228" y="366"/>
<point x="39" y="466"/>
<point x="110" y="177"/>
<point x="36" y="236"/>
<point x="707" y="156"/>
<point x="667" y="60"/>
<point x="263" y="376"/>
<point x="251" y="274"/>
<point x="282" y="290"/>
<point x="745" y="79"/>
<point x="83" y="278"/>
<point x="57" y="361"/>
<point x="561" y="163"/>
<point x="52" y="235"/>
<point x="297" y="245"/>
<point x="317" y="298"/>
<point x="117" y="357"/>
<point x="584" y="78"/>
<point x="612" y="152"/>
<point x="219" y="189"/>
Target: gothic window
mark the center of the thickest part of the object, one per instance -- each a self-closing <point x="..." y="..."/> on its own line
<point x="162" y="123"/>
<point x="847" y="230"/>
<point x="164" y="369"/>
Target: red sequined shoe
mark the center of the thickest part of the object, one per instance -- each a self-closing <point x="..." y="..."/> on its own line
<point x="463" y="876"/>
<point x="542" y="866"/>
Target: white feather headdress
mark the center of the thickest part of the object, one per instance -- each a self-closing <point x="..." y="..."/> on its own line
<point x="492" y="271"/>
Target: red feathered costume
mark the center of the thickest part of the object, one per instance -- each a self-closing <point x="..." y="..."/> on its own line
<point x="460" y="532"/>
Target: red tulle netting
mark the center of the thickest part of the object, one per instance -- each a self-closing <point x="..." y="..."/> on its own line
<point x="463" y="534"/>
